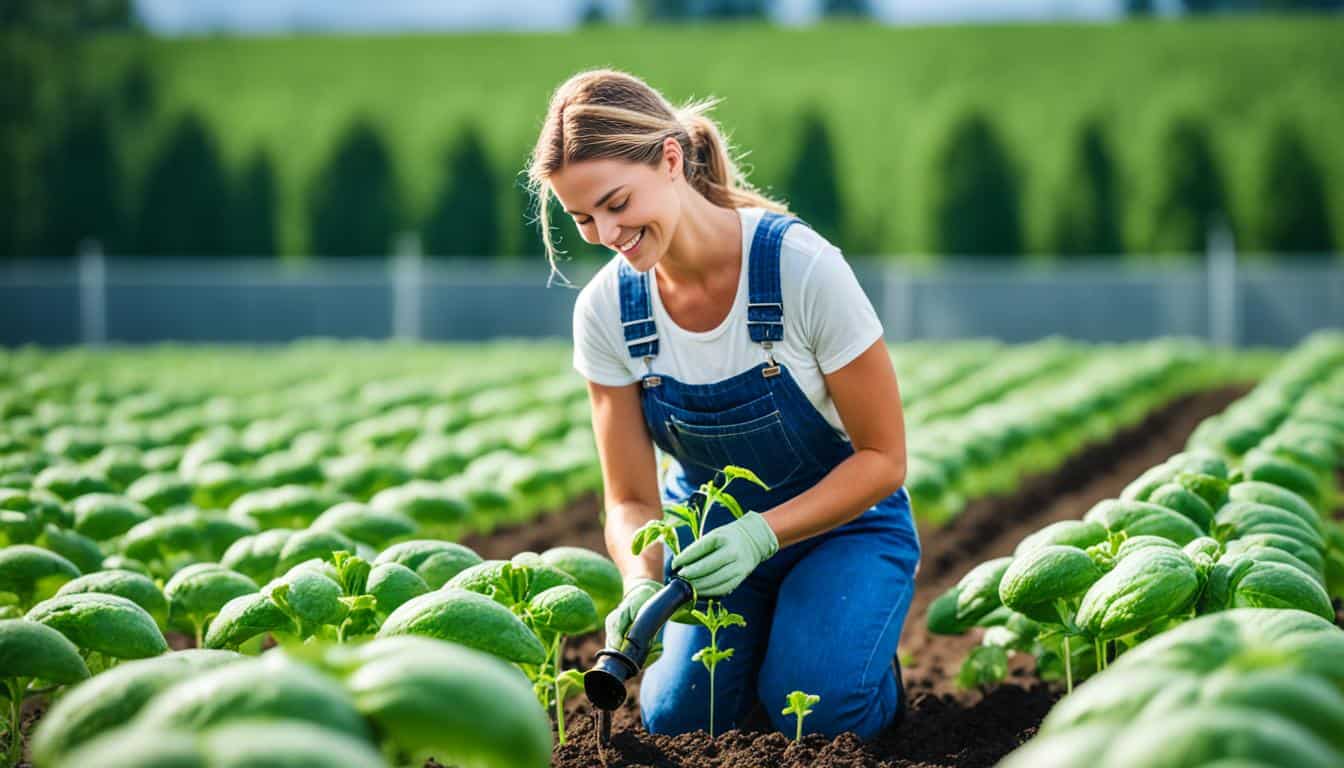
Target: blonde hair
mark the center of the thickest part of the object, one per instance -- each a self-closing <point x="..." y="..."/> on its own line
<point x="606" y="113"/>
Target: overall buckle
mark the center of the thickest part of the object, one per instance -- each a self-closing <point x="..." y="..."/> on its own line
<point x="650" y="381"/>
<point x="772" y="369"/>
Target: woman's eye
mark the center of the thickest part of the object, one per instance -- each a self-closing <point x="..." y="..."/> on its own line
<point x="616" y="209"/>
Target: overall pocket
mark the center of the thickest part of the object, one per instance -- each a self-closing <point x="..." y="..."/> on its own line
<point x="761" y="444"/>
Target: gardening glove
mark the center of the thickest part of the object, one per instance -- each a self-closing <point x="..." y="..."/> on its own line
<point x="637" y="593"/>
<point x="722" y="558"/>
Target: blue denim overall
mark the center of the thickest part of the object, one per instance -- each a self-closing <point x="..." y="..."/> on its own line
<point x="823" y="615"/>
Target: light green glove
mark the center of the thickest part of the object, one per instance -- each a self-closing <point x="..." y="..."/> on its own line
<point x="723" y="558"/>
<point x="637" y="593"/>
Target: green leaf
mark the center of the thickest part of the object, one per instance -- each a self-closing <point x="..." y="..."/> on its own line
<point x="732" y="472"/>
<point x="725" y="499"/>
<point x="679" y="514"/>
<point x="732" y="620"/>
<point x="570" y="683"/>
<point x="800" y="704"/>
<point x="985" y="665"/>
<point x="711" y="657"/>
<point x="647" y="534"/>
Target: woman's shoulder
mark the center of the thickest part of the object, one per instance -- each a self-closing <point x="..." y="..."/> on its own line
<point x="600" y="296"/>
<point x="804" y="251"/>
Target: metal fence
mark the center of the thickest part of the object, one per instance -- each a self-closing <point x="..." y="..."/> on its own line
<point x="94" y="300"/>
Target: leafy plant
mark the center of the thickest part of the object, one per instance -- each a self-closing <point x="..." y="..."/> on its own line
<point x="800" y="706"/>
<point x="692" y="515"/>
<point x="715" y="617"/>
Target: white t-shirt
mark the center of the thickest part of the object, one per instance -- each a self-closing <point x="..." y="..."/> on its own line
<point x="828" y="321"/>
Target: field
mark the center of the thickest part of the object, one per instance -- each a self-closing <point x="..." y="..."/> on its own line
<point x="887" y="118"/>
<point x="394" y="556"/>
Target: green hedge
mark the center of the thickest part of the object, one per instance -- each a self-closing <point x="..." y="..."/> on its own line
<point x="892" y="100"/>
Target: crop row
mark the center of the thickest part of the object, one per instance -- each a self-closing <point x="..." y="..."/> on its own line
<point x="427" y="650"/>
<point x="1039" y="404"/>
<point x="1200" y="600"/>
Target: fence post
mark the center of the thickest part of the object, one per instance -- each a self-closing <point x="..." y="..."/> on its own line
<point x="407" y="275"/>
<point x="1221" y="261"/>
<point x="92" y="293"/>
<point x="898" y="304"/>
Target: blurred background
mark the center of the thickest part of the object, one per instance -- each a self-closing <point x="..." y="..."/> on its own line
<point x="265" y="170"/>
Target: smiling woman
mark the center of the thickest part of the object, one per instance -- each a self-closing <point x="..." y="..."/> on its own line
<point x="725" y="331"/>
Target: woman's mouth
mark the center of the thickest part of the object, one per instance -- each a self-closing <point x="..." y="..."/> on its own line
<point x="629" y="246"/>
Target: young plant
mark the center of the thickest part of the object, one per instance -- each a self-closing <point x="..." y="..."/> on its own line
<point x="693" y="515"/>
<point x="714" y="618"/>
<point x="800" y="706"/>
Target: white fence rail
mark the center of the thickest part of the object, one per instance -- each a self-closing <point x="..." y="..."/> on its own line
<point x="94" y="299"/>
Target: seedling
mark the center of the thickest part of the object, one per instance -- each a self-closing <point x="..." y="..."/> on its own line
<point x="714" y="618"/>
<point x="800" y="706"/>
<point x="692" y="515"/>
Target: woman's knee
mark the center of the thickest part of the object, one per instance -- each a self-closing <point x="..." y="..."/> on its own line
<point x="665" y="706"/>
<point x="846" y="704"/>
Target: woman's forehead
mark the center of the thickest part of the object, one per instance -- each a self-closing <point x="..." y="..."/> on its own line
<point x="579" y="186"/>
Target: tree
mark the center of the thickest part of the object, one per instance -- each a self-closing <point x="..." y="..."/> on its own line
<point x="82" y="183"/>
<point x="1191" y="195"/>
<point x="529" y="243"/>
<point x="977" y="203"/>
<point x="464" y="219"/>
<point x="1296" y="215"/>
<point x="593" y="13"/>
<point x="184" y="209"/>
<point x="811" y="187"/>
<point x="1088" y="219"/>
<point x="138" y="90"/>
<point x="852" y="8"/>
<point x="354" y="207"/>
<point x="254" y="203"/>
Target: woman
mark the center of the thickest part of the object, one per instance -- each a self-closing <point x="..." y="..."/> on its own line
<point x="727" y="332"/>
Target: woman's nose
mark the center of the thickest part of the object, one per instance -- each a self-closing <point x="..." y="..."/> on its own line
<point x="611" y="235"/>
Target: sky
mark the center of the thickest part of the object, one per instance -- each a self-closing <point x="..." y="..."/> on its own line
<point x="172" y="17"/>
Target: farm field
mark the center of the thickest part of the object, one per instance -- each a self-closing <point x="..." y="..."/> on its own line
<point x="393" y="554"/>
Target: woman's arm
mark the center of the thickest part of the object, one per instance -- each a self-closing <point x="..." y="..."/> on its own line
<point x="630" y="477"/>
<point x="868" y="400"/>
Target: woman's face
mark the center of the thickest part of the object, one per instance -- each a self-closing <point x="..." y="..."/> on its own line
<point x="628" y="207"/>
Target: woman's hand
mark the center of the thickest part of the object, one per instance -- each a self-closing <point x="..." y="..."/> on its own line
<point x="725" y="556"/>
<point x="637" y="593"/>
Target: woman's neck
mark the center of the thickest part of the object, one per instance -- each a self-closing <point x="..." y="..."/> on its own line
<point x="708" y="241"/>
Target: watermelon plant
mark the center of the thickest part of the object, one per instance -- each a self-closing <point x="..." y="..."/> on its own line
<point x="800" y="706"/>
<point x="31" y="651"/>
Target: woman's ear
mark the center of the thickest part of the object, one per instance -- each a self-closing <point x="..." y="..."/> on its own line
<point x="672" y="158"/>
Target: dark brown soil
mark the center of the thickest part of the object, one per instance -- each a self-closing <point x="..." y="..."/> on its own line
<point x="944" y="726"/>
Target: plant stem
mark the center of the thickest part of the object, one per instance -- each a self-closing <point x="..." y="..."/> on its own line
<point x="714" y="649"/>
<point x="16" y="688"/>
<point x="799" y="735"/>
<point x="1068" y="665"/>
<point x="200" y="632"/>
<point x="711" y="702"/>
<point x="557" y="651"/>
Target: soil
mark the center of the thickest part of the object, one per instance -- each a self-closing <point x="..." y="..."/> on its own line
<point x="943" y="725"/>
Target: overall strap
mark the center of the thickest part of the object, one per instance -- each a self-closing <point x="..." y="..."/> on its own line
<point x="765" y="301"/>
<point x="641" y="334"/>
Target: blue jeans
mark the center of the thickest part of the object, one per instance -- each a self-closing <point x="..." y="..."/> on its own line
<point x="857" y="579"/>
